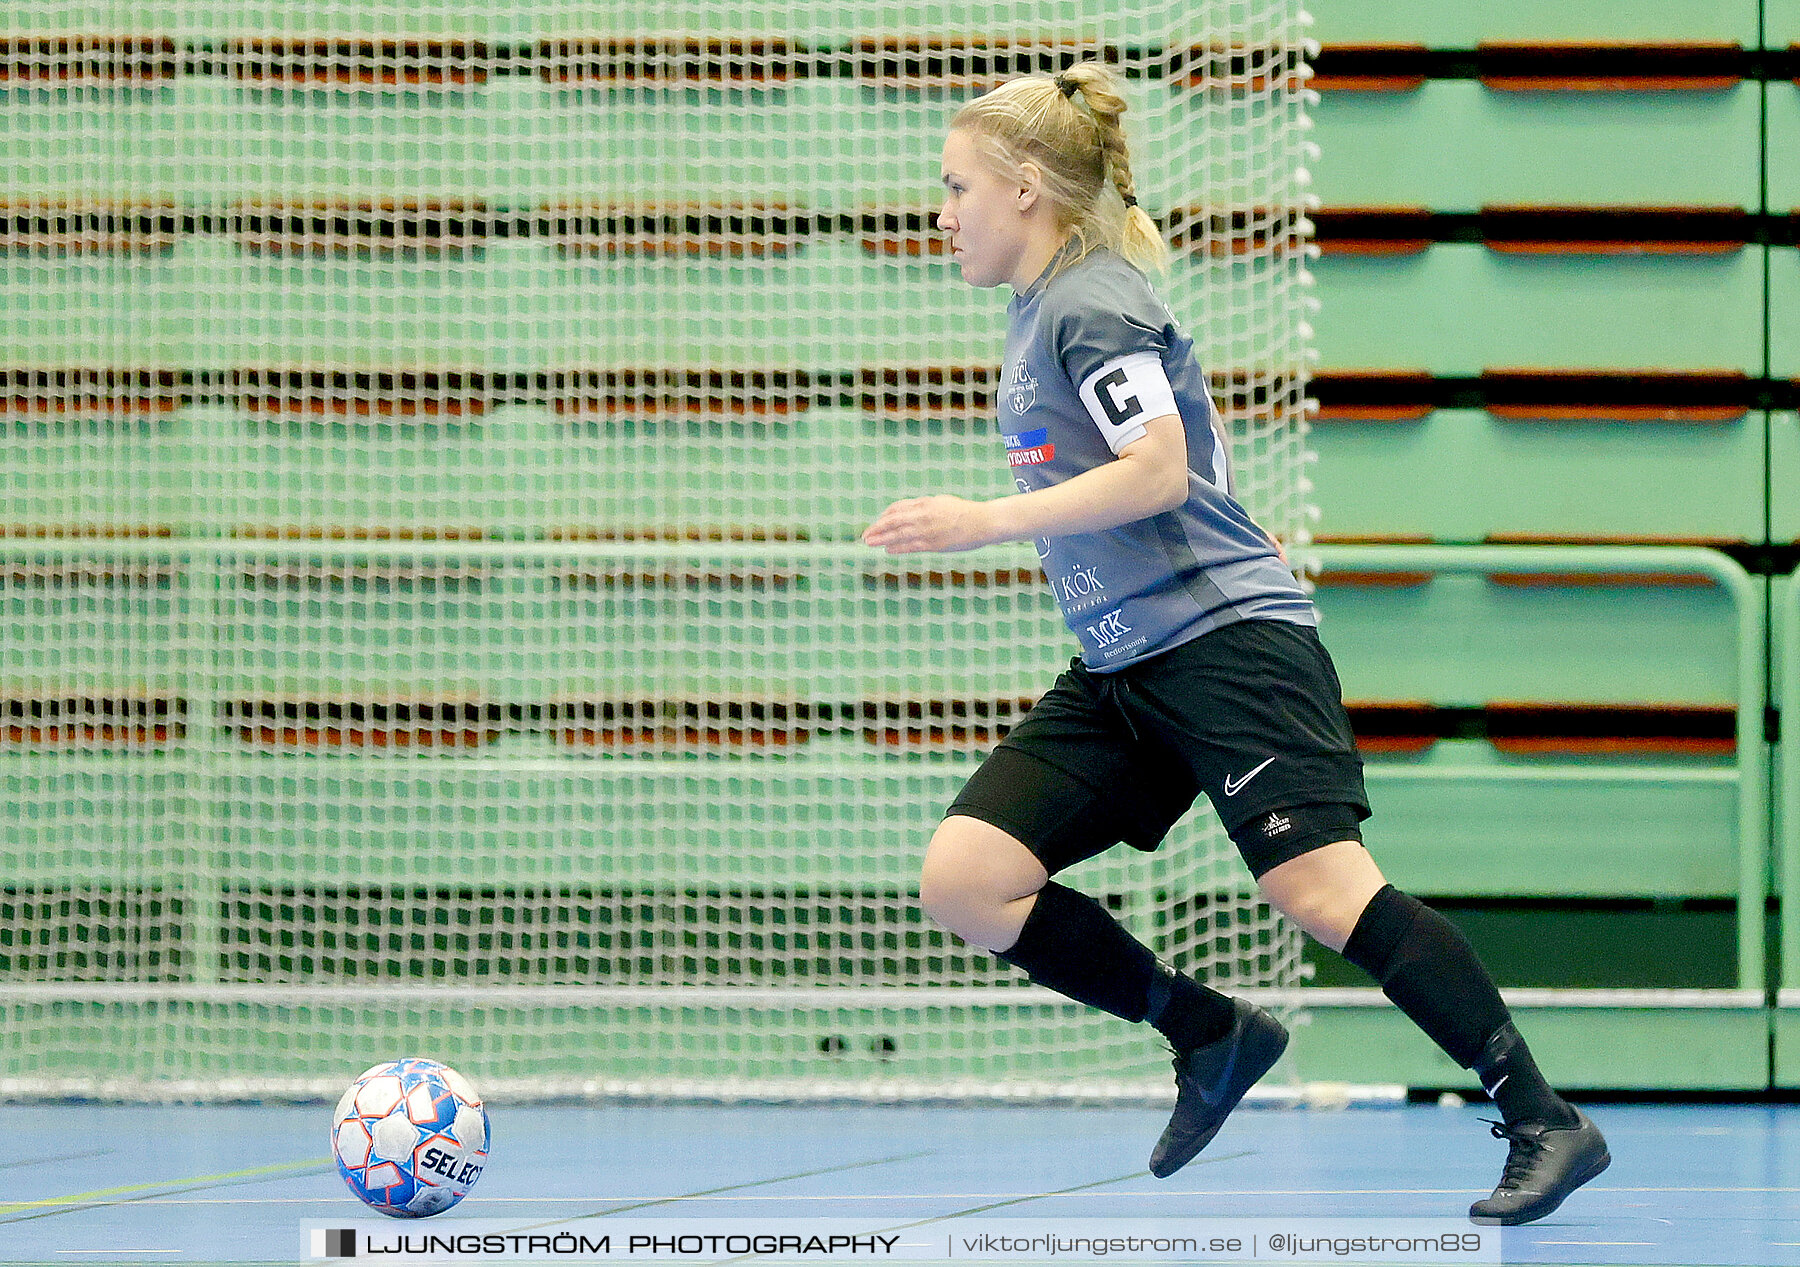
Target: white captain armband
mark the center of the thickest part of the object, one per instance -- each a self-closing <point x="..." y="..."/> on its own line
<point x="1124" y="394"/>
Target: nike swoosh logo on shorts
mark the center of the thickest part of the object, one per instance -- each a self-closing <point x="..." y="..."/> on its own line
<point x="1234" y="786"/>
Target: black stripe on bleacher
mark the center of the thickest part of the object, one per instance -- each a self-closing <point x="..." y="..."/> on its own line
<point x="601" y="60"/>
<point x="1522" y="64"/>
<point x="62" y="720"/>
<point x="894" y="391"/>
<point x="1670" y="390"/>
<point x="452" y="228"/>
<point x="610" y="61"/>
<point x="1574" y="226"/>
<point x="920" y="388"/>
<point x="1552" y="388"/>
<point x="926" y="59"/>
<point x="1523" y="727"/>
<point x="59" y="61"/>
<point x="402" y="393"/>
<point x="399" y="392"/>
<point x="1550" y="63"/>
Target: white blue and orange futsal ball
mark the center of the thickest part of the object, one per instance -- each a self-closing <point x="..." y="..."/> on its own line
<point x="410" y="1137"/>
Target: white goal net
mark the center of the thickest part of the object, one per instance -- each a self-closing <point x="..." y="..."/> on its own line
<point x="433" y="441"/>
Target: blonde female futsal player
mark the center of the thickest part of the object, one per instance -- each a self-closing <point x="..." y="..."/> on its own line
<point x="1200" y="668"/>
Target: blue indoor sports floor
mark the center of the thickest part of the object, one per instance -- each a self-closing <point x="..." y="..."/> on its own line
<point x="106" y="1184"/>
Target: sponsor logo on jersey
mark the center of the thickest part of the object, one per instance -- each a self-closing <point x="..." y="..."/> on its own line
<point x="1029" y="448"/>
<point x="1110" y="629"/>
<point x="1021" y="388"/>
<point x="1079" y="588"/>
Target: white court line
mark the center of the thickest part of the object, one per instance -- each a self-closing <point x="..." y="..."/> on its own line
<point x="863" y="1196"/>
<point x="1609" y="1188"/>
<point x="957" y="1196"/>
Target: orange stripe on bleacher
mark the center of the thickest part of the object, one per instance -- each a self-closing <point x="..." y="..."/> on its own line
<point x="902" y="232"/>
<point x="1373" y="395"/>
<point x="1390" y="230"/>
<point x="426" y="393"/>
<point x="1233" y="231"/>
<point x="60" y="721"/>
<point x="87" y="532"/>
<point x="1369" y="68"/>
<point x="91" y="390"/>
<point x="1393" y="727"/>
<point x="1548" y="728"/>
<point x="365" y="723"/>
<point x="1352" y="578"/>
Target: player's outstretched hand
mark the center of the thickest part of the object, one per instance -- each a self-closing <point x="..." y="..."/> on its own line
<point x="939" y="523"/>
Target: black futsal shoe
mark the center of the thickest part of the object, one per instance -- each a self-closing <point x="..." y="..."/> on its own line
<point x="1210" y="1080"/>
<point x="1545" y="1164"/>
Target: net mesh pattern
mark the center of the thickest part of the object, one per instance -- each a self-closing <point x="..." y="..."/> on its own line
<point x="431" y="616"/>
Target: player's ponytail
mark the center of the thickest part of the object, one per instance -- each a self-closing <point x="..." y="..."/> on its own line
<point x="1070" y="125"/>
<point x="1140" y="240"/>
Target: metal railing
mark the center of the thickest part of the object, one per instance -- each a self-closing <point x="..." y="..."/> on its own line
<point x="1752" y="759"/>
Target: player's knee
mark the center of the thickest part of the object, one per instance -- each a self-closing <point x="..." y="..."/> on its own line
<point x="1324" y="891"/>
<point x="971" y="873"/>
<point x="950" y="891"/>
<point x="1317" y="914"/>
<point x="938" y="890"/>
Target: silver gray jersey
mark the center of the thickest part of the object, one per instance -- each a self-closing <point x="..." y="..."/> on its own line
<point x="1133" y="591"/>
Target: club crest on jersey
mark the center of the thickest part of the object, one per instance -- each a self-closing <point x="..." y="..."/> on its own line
<point x="1021" y="392"/>
<point x="1029" y="448"/>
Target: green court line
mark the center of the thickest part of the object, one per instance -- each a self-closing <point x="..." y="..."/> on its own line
<point x="47" y="1206"/>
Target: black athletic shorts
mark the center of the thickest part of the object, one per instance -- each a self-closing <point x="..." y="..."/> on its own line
<point x="1251" y="714"/>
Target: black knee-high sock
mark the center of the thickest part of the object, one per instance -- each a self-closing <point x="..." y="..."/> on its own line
<point x="1511" y="1077"/>
<point x="1073" y="945"/>
<point x="1427" y="967"/>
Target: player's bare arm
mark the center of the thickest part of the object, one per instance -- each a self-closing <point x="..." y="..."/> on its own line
<point x="1149" y="476"/>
